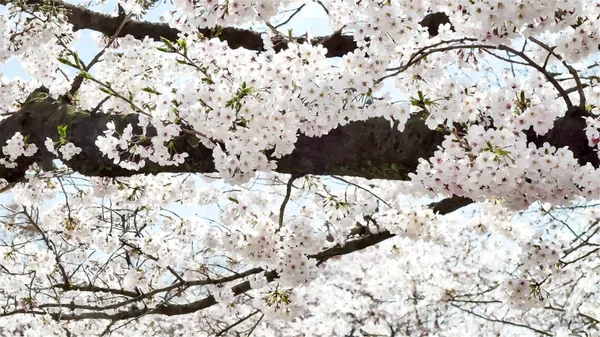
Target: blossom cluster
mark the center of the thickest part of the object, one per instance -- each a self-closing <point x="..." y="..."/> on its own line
<point x="16" y="147"/>
<point x="37" y="38"/>
<point x="592" y="131"/>
<point x="491" y="162"/>
<point x="136" y="155"/>
<point x="251" y="106"/>
<point x="67" y="150"/>
<point x="248" y="251"/>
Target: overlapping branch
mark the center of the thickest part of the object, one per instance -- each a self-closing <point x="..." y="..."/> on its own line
<point x="369" y="149"/>
<point x="133" y="306"/>
<point x="337" y="44"/>
<point x="81" y="18"/>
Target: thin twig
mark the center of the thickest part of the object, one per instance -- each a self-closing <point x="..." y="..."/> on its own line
<point x="288" y="193"/>
<point x="323" y="6"/>
<point x="291" y="16"/>
<point x="95" y="109"/>
<point x="79" y="79"/>
<point x="255" y="325"/>
<point x="222" y="332"/>
<point x="572" y="70"/>
<point x="501" y="320"/>
<point x="422" y="54"/>
<point x="362" y="188"/>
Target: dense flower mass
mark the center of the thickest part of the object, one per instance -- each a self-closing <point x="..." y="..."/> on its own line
<point x="404" y="168"/>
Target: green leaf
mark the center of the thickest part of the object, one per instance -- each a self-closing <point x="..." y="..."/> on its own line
<point x="62" y="131"/>
<point x="183" y="45"/>
<point x="66" y="61"/>
<point x="86" y="75"/>
<point x="168" y="43"/>
<point x="217" y="31"/>
<point x="233" y="199"/>
<point x="78" y="61"/>
<point x="151" y="91"/>
<point x="107" y="91"/>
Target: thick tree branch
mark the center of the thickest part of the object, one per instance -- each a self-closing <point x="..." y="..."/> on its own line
<point x="82" y="18"/>
<point x="369" y="149"/>
<point x="336" y="44"/>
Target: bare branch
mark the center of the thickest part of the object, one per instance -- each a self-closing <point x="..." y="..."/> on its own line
<point x="79" y="79"/>
<point x="545" y="333"/>
<point x="572" y="70"/>
<point x="288" y="193"/>
<point x="296" y="11"/>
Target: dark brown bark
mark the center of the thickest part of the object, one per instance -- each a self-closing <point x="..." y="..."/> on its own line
<point x="336" y="44"/>
<point x="82" y="18"/>
<point x="370" y="149"/>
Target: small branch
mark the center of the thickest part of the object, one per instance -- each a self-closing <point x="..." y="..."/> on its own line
<point x="362" y="188"/>
<point x="288" y="193"/>
<point x="424" y="52"/>
<point x="572" y="70"/>
<point x="506" y="59"/>
<point x="50" y="244"/>
<point x="255" y="325"/>
<point x="501" y="321"/>
<point x="95" y="289"/>
<point x="323" y="6"/>
<point x="222" y="332"/>
<point x="296" y="11"/>
<point x="79" y="79"/>
<point x="97" y="107"/>
<point x="442" y="207"/>
<point x="564" y="264"/>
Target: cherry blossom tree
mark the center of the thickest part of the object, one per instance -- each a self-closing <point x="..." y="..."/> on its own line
<point x="427" y="169"/>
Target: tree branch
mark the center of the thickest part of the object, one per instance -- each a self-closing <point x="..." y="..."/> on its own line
<point x="370" y="149"/>
<point x="82" y="18"/>
<point x="442" y="207"/>
<point x="450" y="205"/>
<point x="336" y="44"/>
